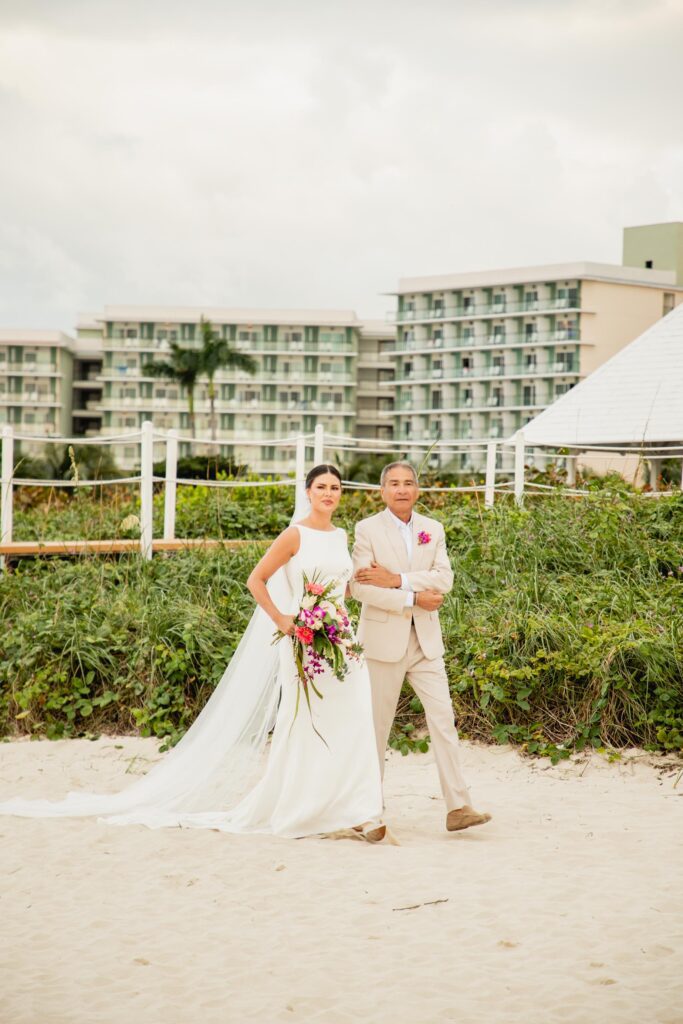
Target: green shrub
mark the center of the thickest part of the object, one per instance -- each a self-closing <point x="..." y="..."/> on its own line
<point x="564" y="628"/>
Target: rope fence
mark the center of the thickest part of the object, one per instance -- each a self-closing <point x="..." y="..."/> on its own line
<point x="517" y="448"/>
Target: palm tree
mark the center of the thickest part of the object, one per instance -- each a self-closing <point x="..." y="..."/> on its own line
<point x="214" y="354"/>
<point x="183" y="366"/>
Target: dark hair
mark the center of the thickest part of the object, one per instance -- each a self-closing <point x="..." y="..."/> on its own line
<point x="320" y="471"/>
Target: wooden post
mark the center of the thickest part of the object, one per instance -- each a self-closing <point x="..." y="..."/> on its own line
<point x="319" y="444"/>
<point x="490" y="490"/>
<point x="6" y="495"/>
<point x="146" y="488"/>
<point x="519" y="468"/>
<point x="170" y="487"/>
<point x="572" y="459"/>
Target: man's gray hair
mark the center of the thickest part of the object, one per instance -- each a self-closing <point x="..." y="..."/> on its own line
<point x="396" y="465"/>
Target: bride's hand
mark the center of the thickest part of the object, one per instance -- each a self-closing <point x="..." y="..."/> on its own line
<point x="285" y="623"/>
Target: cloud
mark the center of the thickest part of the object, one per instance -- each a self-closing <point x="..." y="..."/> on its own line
<point x="309" y="154"/>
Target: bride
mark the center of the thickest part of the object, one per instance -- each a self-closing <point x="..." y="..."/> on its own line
<point x="214" y="777"/>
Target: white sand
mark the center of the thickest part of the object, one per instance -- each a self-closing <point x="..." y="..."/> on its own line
<point x="567" y="907"/>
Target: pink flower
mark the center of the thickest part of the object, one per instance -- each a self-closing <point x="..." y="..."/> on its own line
<point x="304" y="634"/>
<point x="315" y="588"/>
<point x="423" y="537"/>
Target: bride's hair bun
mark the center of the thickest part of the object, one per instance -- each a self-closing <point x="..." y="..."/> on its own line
<point x="320" y="470"/>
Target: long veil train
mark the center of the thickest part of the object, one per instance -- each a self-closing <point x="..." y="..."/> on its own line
<point x="217" y="760"/>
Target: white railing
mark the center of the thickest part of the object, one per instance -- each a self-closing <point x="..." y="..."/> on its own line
<point x="487" y="449"/>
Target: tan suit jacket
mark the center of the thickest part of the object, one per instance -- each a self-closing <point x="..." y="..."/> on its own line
<point x="384" y="629"/>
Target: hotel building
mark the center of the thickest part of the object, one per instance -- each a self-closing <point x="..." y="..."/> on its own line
<point x="36" y="370"/>
<point x="480" y="354"/>
<point x="308" y="365"/>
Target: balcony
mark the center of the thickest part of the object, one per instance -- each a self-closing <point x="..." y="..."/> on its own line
<point x="28" y="368"/>
<point x="28" y="398"/>
<point x="487" y="309"/>
<point x="484" y="342"/>
<point x="423" y="376"/>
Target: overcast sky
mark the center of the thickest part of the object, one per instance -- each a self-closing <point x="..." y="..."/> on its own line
<point x="309" y="153"/>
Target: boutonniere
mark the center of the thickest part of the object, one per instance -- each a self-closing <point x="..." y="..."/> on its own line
<point x="423" y="537"/>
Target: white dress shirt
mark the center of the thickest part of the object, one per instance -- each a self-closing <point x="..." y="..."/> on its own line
<point x="406" y="531"/>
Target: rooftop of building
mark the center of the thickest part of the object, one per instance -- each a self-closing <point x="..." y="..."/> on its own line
<point x="31" y="336"/>
<point x="223" y="315"/>
<point x="377" y="329"/>
<point x="614" y="273"/>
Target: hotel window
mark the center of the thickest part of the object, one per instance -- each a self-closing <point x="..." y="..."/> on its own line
<point x="468" y="334"/>
<point x="530" y="361"/>
<point x="530" y="331"/>
<point x="668" y="302"/>
<point x="467" y="397"/>
<point x="467" y="303"/>
<point x="407" y="369"/>
<point x="437" y="336"/>
<point x="531" y="299"/>
<point x="438" y="306"/>
<point x="568" y="297"/>
<point x="436" y="400"/>
<point x="466" y="365"/>
<point x="499" y="302"/>
<point x="499" y="334"/>
<point x="498" y="366"/>
<point x="529" y="394"/>
<point x="437" y="368"/>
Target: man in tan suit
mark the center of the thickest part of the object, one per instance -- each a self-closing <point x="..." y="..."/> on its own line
<point x="401" y="572"/>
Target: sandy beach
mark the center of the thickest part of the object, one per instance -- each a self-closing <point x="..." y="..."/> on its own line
<point x="567" y="907"/>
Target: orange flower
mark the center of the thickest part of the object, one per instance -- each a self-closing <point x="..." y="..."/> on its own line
<point x="304" y="634"/>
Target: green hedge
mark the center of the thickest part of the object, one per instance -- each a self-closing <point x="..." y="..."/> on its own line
<point x="564" y="627"/>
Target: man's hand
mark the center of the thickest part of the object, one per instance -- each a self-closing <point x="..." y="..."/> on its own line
<point x="430" y="600"/>
<point x="378" y="576"/>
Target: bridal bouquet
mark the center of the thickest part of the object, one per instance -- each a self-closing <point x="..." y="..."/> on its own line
<point x="322" y="637"/>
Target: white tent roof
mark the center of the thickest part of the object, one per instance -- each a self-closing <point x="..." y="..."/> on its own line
<point x="635" y="397"/>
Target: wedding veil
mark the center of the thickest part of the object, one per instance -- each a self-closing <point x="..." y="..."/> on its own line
<point x="220" y="756"/>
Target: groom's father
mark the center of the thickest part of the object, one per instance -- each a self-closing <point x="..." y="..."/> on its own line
<point x="401" y="572"/>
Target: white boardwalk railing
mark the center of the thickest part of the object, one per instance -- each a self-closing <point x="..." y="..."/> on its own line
<point x="490" y="451"/>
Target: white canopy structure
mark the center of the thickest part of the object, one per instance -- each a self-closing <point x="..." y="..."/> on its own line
<point x="634" y="400"/>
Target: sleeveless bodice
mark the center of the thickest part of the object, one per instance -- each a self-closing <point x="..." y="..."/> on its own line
<point x="324" y="552"/>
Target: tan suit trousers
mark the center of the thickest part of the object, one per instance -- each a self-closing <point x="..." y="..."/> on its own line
<point x="428" y="678"/>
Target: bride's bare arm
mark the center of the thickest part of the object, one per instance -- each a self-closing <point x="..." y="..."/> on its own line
<point x="278" y="554"/>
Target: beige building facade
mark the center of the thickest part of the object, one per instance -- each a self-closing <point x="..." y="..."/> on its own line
<point x="479" y="355"/>
<point x="655" y="247"/>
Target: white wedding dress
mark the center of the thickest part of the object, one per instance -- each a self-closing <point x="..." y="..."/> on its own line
<point x="215" y="777"/>
<point x="310" y="787"/>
